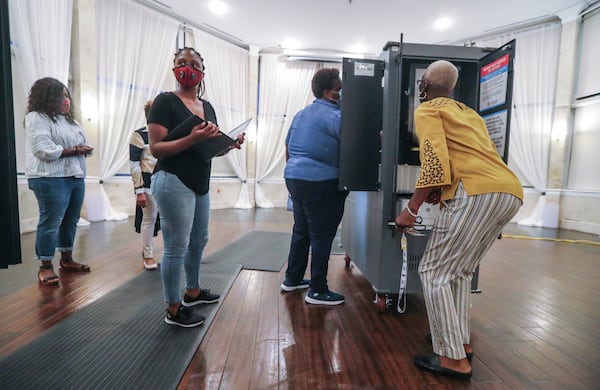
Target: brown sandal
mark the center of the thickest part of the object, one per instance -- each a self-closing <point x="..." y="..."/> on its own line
<point x="49" y="280"/>
<point x="73" y="266"/>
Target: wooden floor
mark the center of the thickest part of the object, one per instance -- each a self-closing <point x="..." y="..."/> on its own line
<point x="535" y="326"/>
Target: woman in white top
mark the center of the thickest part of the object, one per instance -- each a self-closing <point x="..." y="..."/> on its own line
<point x="55" y="168"/>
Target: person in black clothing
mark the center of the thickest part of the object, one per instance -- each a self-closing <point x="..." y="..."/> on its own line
<point x="180" y="186"/>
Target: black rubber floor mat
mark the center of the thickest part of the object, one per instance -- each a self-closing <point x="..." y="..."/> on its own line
<point x="257" y="250"/>
<point x="119" y="341"/>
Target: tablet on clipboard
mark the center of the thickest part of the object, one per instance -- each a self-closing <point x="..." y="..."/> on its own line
<point x="210" y="147"/>
<point x="220" y="144"/>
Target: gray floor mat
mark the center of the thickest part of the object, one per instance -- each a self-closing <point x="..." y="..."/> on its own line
<point x="119" y="341"/>
<point x="257" y="250"/>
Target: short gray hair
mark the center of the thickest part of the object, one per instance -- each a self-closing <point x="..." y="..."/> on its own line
<point x="442" y="74"/>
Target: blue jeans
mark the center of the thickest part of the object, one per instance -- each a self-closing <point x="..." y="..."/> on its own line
<point x="184" y="224"/>
<point x="59" y="202"/>
<point x="318" y="211"/>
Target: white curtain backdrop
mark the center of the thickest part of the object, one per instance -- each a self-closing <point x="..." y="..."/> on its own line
<point x="40" y="34"/>
<point x="284" y="90"/>
<point x="227" y="90"/>
<point x="135" y="53"/>
<point x="534" y="89"/>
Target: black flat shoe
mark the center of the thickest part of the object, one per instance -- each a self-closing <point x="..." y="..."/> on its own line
<point x="428" y="338"/>
<point x="432" y="364"/>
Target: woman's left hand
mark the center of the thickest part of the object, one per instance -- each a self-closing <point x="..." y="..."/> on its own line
<point x="239" y="141"/>
<point x="404" y="220"/>
<point x="434" y="196"/>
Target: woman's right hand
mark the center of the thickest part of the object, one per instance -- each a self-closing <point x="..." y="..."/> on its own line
<point x="204" y="131"/>
<point x="78" y="150"/>
<point x="140" y="200"/>
<point x="434" y="196"/>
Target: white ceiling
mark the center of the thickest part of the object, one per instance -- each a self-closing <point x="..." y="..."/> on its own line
<point x="338" y="25"/>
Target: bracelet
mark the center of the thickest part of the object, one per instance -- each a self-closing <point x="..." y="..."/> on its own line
<point x="415" y="215"/>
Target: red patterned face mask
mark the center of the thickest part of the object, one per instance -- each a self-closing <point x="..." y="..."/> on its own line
<point x="187" y="76"/>
<point x="66" y="106"/>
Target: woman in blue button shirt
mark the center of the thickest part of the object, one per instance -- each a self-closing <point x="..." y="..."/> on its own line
<point x="311" y="176"/>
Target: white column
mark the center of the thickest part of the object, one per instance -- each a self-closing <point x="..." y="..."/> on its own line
<point x="253" y="70"/>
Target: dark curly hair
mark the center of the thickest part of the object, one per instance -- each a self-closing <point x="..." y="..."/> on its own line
<point x="323" y="80"/>
<point x="202" y="87"/>
<point x="46" y="97"/>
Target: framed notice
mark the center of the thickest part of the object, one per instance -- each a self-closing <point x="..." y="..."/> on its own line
<point x="493" y="83"/>
<point x="496" y="124"/>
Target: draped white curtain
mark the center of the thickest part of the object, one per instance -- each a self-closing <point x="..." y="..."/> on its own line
<point x="534" y="89"/>
<point x="40" y="34"/>
<point x="227" y="90"/>
<point x="135" y="53"/>
<point x="284" y="90"/>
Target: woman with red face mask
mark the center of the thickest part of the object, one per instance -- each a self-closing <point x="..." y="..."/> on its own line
<point x="180" y="187"/>
<point x="55" y="168"/>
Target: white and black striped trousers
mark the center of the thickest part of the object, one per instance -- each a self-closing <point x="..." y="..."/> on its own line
<point x="463" y="233"/>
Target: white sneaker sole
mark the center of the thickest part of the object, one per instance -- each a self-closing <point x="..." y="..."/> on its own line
<point x="171" y="322"/>
<point x="287" y="288"/>
<point x="314" y="301"/>
<point x="190" y="304"/>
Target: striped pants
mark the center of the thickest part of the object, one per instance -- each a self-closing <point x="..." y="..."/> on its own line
<point x="463" y="233"/>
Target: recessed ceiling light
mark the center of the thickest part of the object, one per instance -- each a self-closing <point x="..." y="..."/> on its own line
<point x="358" y="48"/>
<point x="442" y="23"/>
<point x="218" y="7"/>
<point x="290" y="43"/>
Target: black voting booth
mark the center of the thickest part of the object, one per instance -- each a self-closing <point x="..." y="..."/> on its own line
<point x="379" y="156"/>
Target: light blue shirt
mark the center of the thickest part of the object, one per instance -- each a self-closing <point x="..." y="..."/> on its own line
<point x="46" y="141"/>
<point x="313" y="142"/>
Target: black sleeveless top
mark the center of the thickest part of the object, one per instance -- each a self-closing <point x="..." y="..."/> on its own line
<point x="169" y="111"/>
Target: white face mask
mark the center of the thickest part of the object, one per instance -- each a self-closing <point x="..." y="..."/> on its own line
<point x="422" y="90"/>
<point x="339" y="97"/>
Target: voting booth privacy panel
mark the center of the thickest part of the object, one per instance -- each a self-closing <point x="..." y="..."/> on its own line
<point x="379" y="156"/>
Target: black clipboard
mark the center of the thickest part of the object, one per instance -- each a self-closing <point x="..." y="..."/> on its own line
<point x="220" y="144"/>
<point x="184" y="128"/>
<point x="211" y="147"/>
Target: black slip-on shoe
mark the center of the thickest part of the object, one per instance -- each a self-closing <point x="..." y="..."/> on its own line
<point x="433" y="364"/>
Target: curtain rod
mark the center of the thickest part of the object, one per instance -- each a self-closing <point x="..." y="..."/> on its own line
<point x="508" y="28"/>
<point x="590" y="8"/>
<point x="165" y="10"/>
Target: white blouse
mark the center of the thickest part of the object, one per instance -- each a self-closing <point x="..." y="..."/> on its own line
<point x="46" y="141"/>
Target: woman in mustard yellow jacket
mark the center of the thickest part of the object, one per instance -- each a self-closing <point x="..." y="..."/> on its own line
<point x="480" y="194"/>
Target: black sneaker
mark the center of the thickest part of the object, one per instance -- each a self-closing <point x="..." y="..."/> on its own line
<point x="291" y="286"/>
<point x="324" y="298"/>
<point x="185" y="317"/>
<point x="204" y="297"/>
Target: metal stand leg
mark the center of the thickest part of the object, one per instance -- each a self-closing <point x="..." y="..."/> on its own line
<point x="475" y="282"/>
